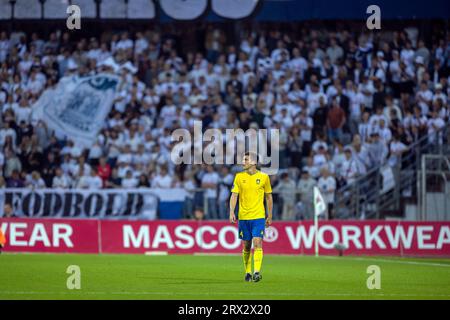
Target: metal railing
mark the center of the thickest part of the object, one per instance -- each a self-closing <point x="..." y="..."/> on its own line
<point x="371" y="195"/>
<point x="434" y="180"/>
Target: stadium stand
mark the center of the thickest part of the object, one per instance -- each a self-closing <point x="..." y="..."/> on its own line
<point x="349" y="105"/>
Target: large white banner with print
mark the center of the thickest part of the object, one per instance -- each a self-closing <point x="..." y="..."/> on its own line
<point x="25" y="9"/>
<point x="56" y="9"/>
<point x="140" y="203"/>
<point x="141" y="9"/>
<point x="5" y="9"/>
<point x="78" y="106"/>
<point x="184" y="9"/>
<point x="234" y="9"/>
<point x="128" y="9"/>
<point x="115" y="9"/>
<point x="87" y="7"/>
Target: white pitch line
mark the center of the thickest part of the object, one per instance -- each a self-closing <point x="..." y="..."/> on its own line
<point x="431" y="264"/>
<point x="220" y="294"/>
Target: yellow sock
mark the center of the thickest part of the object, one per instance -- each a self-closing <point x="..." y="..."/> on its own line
<point x="246" y="255"/>
<point x="257" y="259"/>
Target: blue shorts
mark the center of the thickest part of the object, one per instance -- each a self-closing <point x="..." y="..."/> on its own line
<point x="249" y="229"/>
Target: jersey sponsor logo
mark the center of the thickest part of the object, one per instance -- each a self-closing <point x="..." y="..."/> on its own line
<point x="270" y="234"/>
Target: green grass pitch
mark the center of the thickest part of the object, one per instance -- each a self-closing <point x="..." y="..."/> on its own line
<point x="43" y="276"/>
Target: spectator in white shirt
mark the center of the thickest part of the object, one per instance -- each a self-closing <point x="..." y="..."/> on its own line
<point x="374" y="121"/>
<point x="35" y="181"/>
<point x="327" y="186"/>
<point x="424" y="97"/>
<point x="313" y="100"/>
<point x="210" y="181"/>
<point x="320" y="142"/>
<point x="396" y="149"/>
<point x="61" y="180"/>
<point x="391" y="107"/>
<point x="81" y="165"/>
<point x="226" y="182"/>
<point x="125" y="43"/>
<point x="305" y="187"/>
<point x="364" y="127"/>
<point x="377" y="150"/>
<point x="93" y="181"/>
<point x="312" y="170"/>
<point x="349" y="171"/>
<point x="141" y="43"/>
<point x="438" y="94"/>
<point x="23" y="111"/>
<point x="287" y="191"/>
<point x="435" y="124"/>
<point x="407" y="54"/>
<point x="385" y="132"/>
<point x="129" y="181"/>
<point x="162" y="180"/>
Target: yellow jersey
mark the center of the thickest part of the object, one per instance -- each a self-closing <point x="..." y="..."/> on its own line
<point x="251" y="189"/>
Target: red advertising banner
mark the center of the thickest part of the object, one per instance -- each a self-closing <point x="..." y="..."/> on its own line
<point x="51" y="235"/>
<point x="187" y="237"/>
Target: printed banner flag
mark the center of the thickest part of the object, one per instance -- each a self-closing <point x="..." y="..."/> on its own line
<point x="78" y="106"/>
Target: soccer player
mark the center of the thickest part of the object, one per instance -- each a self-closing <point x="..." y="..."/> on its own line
<point x="2" y="241"/>
<point x="252" y="187"/>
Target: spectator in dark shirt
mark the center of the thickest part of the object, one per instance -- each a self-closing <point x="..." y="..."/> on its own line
<point x="114" y="180"/>
<point x="15" y="181"/>
<point x="143" y="181"/>
<point x="49" y="169"/>
<point x="234" y="81"/>
<point x="320" y="117"/>
<point x="335" y="121"/>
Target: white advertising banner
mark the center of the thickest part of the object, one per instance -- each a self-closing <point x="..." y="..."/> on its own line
<point x="103" y="203"/>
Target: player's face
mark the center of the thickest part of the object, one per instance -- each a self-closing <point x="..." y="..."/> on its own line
<point x="248" y="162"/>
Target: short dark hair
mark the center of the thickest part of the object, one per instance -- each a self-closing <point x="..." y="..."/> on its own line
<point x="252" y="155"/>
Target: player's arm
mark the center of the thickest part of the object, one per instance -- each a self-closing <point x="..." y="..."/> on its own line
<point x="233" y="202"/>
<point x="234" y="199"/>
<point x="269" y="201"/>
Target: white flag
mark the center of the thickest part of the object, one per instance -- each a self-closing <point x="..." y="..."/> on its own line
<point x="319" y="204"/>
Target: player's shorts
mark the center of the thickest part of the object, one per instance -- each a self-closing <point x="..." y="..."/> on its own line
<point x="249" y="229"/>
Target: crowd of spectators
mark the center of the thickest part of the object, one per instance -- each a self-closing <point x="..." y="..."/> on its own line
<point x="344" y="102"/>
